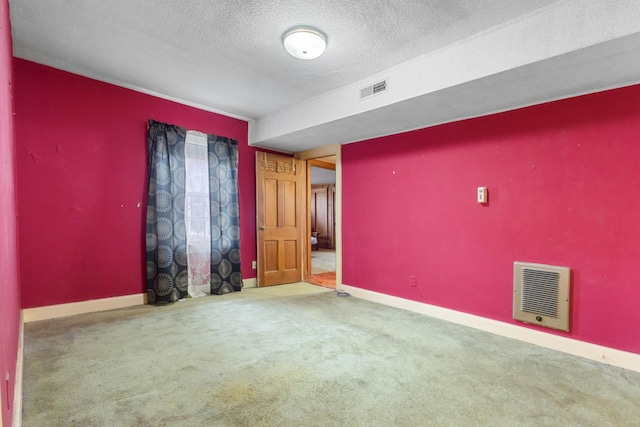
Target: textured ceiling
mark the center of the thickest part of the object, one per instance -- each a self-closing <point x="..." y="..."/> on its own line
<point x="227" y="55"/>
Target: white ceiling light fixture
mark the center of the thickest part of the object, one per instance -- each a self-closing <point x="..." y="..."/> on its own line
<point x="304" y="42"/>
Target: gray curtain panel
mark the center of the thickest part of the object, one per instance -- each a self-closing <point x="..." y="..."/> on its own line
<point x="225" y="215"/>
<point x="166" y="245"/>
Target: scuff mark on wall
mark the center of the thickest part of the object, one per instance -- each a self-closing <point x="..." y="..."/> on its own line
<point x="36" y="158"/>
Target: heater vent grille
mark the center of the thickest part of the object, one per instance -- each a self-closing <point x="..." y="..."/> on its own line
<point x="373" y="89"/>
<point x="541" y="295"/>
<point x="540" y="292"/>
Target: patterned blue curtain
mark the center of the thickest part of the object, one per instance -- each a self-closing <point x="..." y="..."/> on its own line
<point x="166" y="246"/>
<point x="225" y="215"/>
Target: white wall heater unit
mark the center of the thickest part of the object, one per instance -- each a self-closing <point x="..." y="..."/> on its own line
<point x="541" y="295"/>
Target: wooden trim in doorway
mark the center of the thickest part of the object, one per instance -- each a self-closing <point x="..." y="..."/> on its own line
<point x="321" y="164"/>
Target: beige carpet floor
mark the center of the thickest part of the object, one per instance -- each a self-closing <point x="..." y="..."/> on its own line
<point x="299" y="355"/>
<point x="323" y="261"/>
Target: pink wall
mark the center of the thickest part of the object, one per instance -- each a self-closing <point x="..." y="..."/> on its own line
<point x="564" y="189"/>
<point x="81" y="176"/>
<point x="9" y="287"/>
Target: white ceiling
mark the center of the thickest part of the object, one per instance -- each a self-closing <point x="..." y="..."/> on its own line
<point x="322" y="176"/>
<point x="444" y="59"/>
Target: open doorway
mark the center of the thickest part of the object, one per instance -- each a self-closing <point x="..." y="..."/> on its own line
<point x="322" y="220"/>
<point x="309" y="156"/>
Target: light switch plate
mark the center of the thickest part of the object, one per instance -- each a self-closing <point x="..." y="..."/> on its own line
<point x="482" y="194"/>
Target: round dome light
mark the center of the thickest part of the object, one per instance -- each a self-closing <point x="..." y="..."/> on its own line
<point x="304" y="42"/>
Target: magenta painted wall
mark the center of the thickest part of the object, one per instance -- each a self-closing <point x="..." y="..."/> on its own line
<point x="82" y="183"/>
<point x="564" y="189"/>
<point x="9" y="283"/>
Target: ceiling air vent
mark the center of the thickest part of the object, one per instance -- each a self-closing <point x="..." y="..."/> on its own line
<point x="374" y="89"/>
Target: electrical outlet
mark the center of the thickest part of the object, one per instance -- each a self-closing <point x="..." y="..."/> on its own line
<point x="413" y="282"/>
<point x="254" y="264"/>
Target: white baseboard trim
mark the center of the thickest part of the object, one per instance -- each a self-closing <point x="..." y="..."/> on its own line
<point x="609" y="356"/>
<point x="17" y="389"/>
<point x="73" y="308"/>
<point x="249" y="283"/>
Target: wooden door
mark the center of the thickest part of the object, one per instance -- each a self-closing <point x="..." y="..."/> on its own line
<point x="322" y="214"/>
<point x="319" y="218"/>
<point x="281" y="215"/>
